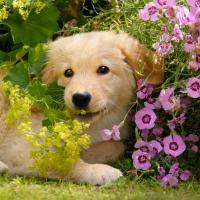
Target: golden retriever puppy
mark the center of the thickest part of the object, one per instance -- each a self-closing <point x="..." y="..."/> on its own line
<point x="99" y="72"/>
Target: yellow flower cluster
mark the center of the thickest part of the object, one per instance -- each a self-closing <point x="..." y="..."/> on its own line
<point x="58" y="149"/>
<point x="20" y="103"/>
<point x="3" y="11"/>
<point x="55" y="149"/>
<point x="24" y="7"/>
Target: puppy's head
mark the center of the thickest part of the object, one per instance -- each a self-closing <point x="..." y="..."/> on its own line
<point x="99" y="70"/>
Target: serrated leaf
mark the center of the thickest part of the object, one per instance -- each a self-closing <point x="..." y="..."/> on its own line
<point x="36" y="58"/>
<point x="37" y="28"/>
<point x="18" y="75"/>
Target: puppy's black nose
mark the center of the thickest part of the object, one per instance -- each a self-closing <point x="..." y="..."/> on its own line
<point x="81" y="100"/>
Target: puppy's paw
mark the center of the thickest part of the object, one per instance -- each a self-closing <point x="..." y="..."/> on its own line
<point x="3" y="167"/>
<point x="99" y="174"/>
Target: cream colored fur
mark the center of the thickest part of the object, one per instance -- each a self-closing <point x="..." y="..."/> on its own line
<point x="111" y="94"/>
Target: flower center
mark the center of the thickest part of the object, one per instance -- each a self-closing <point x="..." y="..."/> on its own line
<point x="173" y="146"/>
<point x="152" y="10"/>
<point x="151" y="100"/>
<point x="142" y="159"/>
<point x="162" y="2"/>
<point x="170" y="99"/>
<point x="146" y="119"/>
<point x="144" y="89"/>
<point x="195" y="86"/>
<point x="144" y="149"/>
<point x="198" y="58"/>
<point x="155" y="150"/>
<point x="189" y="40"/>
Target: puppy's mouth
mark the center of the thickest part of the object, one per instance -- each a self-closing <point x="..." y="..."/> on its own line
<point x="90" y="116"/>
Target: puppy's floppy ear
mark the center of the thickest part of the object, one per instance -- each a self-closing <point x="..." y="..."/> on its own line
<point x="145" y="63"/>
<point x="48" y="70"/>
<point x="48" y="74"/>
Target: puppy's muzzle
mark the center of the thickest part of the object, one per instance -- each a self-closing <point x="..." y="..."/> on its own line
<point x="81" y="100"/>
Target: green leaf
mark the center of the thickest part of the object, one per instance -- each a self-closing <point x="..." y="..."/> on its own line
<point x="18" y="75"/>
<point x="37" y="58"/>
<point x="37" y="28"/>
<point x="37" y="89"/>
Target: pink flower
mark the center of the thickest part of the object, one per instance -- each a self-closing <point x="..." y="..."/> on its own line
<point x="183" y="16"/>
<point x="193" y="87"/>
<point x="185" y="175"/>
<point x="157" y="148"/>
<point x="194" y="148"/>
<point x="107" y="134"/>
<point x="149" y="12"/>
<point x="177" y="33"/>
<point x="174" y="145"/>
<point x="141" y="160"/>
<point x="144" y="89"/>
<point x="164" y="3"/>
<point x="157" y="131"/>
<point x="169" y="180"/>
<point x="145" y="133"/>
<point x="189" y="43"/>
<point x="145" y="118"/>
<point x="194" y="3"/>
<point x="175" y="121"/>
<point x="163" y="48"/>
<point x="174" y="169"/>
<point x="192" y="138"/>
<point x="143" y="146"/>
<point x="152" y="103"/>
<point x="161" y="173"/>
<point x="168" y="100"/>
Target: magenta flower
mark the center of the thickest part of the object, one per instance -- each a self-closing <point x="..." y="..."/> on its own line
<point x="192" y="138"/>
<point x="152" y="103"/>
<point x="145" y="118"/>
<point x="193" y="87"/>
<point x="169" y="180"/>
<point x="164" y="47"/>
<point x="164" y="3"/>
<point x="149" y="12"/>
<point x="194" y="148"/>
<point x="183" y="16"/>
<point x="177" y="34"/>
<point x="185" y="175"/>
<point x="174" y="169"/>
<point x="168" y="100"/>
<point x="143" y="146"/>
<point x="157" y="131"/>
<point x="107" y="134"/>
<point x="189" y="43"/>
<point x="145" y="133"/>
<point x="194" y="3"/>
<point x="141" y="160"/>
<point x="174" y="145"/>
<point x="161" y="173"/>
<point x="175" y="121"/>
<point x="144" y="89"/>
<point x="157" y="148"/>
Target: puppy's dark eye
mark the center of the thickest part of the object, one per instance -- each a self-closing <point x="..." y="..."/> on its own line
<point x="68" y="73"/>
<point x="103" y="70"/>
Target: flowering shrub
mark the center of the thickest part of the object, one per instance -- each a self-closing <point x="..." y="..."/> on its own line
<point x="165" y="142"/>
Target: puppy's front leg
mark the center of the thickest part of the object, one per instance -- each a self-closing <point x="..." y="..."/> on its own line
<point x="103" y="152"/>
<point x="95" y="174"/>
<point x="3" y="167"/>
